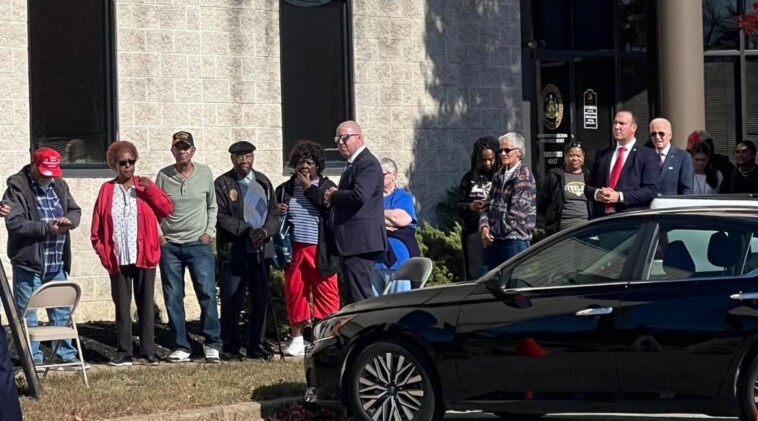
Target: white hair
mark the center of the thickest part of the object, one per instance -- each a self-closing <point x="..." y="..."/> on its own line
<point x="517" y="141"/>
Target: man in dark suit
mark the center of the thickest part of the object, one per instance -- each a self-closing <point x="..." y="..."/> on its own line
<point x="624" y="176"/>
<point x="676" y="170"/>
<point x="357" y="211"/>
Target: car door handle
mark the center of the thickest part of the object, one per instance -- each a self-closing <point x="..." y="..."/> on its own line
<point x="595" y="311"/>
<point x="744" y="296"/>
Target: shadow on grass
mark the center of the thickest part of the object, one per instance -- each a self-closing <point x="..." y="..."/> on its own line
<point x="277" y="390"/>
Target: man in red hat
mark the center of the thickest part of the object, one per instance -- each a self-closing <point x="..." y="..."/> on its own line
<point x="42" y="212"/>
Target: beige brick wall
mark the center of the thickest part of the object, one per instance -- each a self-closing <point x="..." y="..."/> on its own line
<point x="430" y="77"/>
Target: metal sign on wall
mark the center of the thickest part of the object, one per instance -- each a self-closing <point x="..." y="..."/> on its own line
<point x="590" y="109"/>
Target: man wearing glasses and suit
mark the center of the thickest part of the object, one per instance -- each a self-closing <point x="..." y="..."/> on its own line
<point x="625" y="175"/>
<point x="357" y="211"/>
<point x="676" y="170"/>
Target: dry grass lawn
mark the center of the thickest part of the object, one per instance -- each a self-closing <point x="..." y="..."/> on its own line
<point x="137" y="390"/>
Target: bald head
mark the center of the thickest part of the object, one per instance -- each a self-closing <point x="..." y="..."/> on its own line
<point x="349" y="138"/>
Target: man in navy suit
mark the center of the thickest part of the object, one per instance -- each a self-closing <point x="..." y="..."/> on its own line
<point x="357" y="211"/>
<point x="676" y="170"/>
<point x="624" y="176"/>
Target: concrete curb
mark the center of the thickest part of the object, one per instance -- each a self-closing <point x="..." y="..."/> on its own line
<point x="234" y="412"/>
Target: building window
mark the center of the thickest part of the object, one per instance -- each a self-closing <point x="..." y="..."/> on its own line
<point x="72" y="79"/>
<point x="316" y="71"/>
<point x="731" y="69"/>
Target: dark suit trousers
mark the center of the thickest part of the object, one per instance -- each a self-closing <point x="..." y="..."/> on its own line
<point x="143" y="281"/>
<point x="358" y="270"/>
<point x="244" y="272"/>
<point x="10" y="410"/>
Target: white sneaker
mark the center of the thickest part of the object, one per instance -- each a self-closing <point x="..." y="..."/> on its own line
<point x="211" y="354"/>
<point x="179" y="356"/>
<point x="296" y="348"/>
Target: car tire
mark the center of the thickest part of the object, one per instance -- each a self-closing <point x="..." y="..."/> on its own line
<point x="747" y="392"/>
<point x="412" y="396"/>
<point x="510" y="416"/>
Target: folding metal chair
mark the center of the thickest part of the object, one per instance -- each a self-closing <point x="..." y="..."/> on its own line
<point x="51" y="295"/>
<point x="417" y="270"/>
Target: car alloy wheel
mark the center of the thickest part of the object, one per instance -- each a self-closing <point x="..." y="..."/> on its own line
<point x="388" y="382"/>
<point x="747" y="392"/>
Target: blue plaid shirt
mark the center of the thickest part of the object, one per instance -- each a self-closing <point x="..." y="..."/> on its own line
<point x="49" y="209"/>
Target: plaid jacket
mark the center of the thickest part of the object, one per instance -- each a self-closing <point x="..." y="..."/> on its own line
<point x="510" y="211"/>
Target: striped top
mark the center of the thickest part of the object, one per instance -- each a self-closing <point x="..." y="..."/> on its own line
<point x="303" y="215"/>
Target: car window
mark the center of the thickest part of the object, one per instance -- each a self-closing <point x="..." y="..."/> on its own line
<point x="700" y="251"/>
<point x="589" y="257"/>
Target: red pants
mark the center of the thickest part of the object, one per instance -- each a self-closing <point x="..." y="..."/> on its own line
<point x="301" y="279"/>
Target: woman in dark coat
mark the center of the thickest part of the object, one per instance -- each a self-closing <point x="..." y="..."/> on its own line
<point x="313" y="270"/>
<point x="471" y="194"/>
<point x="561" y="199"/>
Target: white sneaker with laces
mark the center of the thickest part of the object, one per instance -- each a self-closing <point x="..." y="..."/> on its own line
<point x="178" y="356"/>
<point x="211" y="354"/>
<point x="296" y="348"/>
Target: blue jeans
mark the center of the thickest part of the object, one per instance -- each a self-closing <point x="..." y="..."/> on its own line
<point x="24" y="285"/>
<point x="197" y="257"/>
<point x="502" y="250"/>
<point x="381" y="277"/>
<point x="10" y="410"/>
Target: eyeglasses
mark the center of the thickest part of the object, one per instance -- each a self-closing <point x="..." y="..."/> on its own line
<point x="344" y="138"/>
<point x="127" y="162"/>
<point x="506" y="150"/>
<point x="653" y="135"/>
<point x="742" y="150"/>
<point x="307" y="162"/>
<point x="575" y="145"/>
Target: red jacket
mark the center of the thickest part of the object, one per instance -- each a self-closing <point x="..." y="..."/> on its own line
<point x="152" y="203"/>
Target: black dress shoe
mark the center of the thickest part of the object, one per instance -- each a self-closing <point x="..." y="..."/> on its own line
<point x="260" y="355"/>
<point x="232" y="356"/>
<point x="152" y="359"/>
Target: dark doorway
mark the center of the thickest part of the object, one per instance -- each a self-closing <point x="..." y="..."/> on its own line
<point x="582" y="61"/>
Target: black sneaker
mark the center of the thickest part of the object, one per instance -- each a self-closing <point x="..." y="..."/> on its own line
<point x="152" y="359"/>
<point x="78" y="366"/>
<point x="121" y="360"/>
<point x="232" y="356"/>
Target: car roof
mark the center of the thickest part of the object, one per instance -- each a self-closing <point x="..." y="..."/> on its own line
<point x="712" y="210"/>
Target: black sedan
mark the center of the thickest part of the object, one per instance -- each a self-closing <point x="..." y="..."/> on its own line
<point x="654" y="311"/>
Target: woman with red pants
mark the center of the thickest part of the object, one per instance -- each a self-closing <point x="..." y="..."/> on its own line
<point x="313" y="270"/>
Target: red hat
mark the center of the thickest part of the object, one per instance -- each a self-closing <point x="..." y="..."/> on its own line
<point x="692" y="139"/>
<point x="48" y="162"/>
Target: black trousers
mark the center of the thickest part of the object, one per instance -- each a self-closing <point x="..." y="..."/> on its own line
<point x="142" y="281"/>
<point x="10" y="410"/>
<point x="473" y="251"/>
<point x="241" y="273"/>
<point x="358" y="270"/>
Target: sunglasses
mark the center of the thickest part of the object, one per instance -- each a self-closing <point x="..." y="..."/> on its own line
<point x="344" y="138"/>
<point x="653" y="135"/>
<point x="506" y="150"/>
<point x="127" y="162"/>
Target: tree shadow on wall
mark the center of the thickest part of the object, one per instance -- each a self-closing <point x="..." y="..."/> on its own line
<point x="472" y="88"/>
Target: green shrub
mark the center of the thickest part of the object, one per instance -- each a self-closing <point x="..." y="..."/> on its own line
<point x="444" y="248"/>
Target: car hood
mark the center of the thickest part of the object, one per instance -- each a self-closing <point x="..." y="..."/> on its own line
<point x="418" y="297"/>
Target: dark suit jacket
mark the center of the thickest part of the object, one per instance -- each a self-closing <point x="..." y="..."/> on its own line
<point x="357" y="215"/>
<point x="232" y="232"/>
<point x="638" y="181"/>
<point x="676" y="173"/>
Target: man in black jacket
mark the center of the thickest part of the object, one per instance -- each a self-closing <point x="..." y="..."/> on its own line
<point x="247" y="217"/>
<point x="357" y="215"/>
<point x="39" y="245"/>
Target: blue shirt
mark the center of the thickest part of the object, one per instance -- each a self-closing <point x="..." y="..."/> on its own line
<point x="399" y="199"/>
<point x="303" y="215"/>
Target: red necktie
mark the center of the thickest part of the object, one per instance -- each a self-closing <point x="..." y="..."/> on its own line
<point x="615" y="174"/>
<point x="617" y="166"/>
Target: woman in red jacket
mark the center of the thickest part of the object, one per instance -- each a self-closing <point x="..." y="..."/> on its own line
<point x="125" y="237"/>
